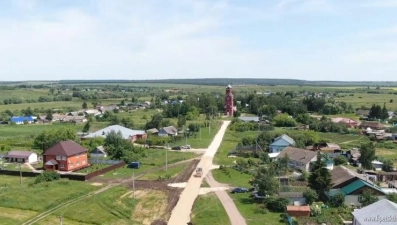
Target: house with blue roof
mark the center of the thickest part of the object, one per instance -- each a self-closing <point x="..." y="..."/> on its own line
<point x="280" y="143"/>
<point x="352" y="185"/>
<point x="22" y="119"/>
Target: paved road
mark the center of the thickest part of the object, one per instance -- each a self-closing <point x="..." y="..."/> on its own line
<point x="181" y="213"/>
<point x="234" y="215"/>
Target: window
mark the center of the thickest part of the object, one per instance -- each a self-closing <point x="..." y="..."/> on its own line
<point x="359" y="199"/>
<point x="71" y="164"/>
<point x="77" y="163"/>
<point x="62" y="165"/>
<point x="64" y="158"/>
<point x="58" y="157"/>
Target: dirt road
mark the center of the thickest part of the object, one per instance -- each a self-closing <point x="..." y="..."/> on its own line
<point x="181" y="213"/>
<point x="234" y="215"/>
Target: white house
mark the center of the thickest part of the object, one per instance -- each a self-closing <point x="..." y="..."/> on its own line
<point x="377" y="165"/>
<point x="21" y="156"/>
<point x="299" y="159"/>
<point x="380" y="212"/>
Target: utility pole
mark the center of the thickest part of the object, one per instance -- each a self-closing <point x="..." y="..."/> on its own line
<point x="60" y="220"/>
<point x="20" y="173"/>
<point x="166" y="159"/>
<point x="200" y="133"/>
<point x="133" y="183"/>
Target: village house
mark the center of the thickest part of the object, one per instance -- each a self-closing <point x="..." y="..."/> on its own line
<point x="331" y="149"/>
<point x="371" y="125"/>
<point x="386" y="213"/>
<point x="153" y="131"/>
<point x="65" y="156"/>
<point x="281" y="143"/>
<point x="168" y="131"/>
<point x="128" y="134"/>
<point x="21" y="156"/>
<point x="349" y="122"/>
<point x="22" y="119"/>
<point x="352" y="185"/>
<point x="299" y="159"/>
<point x="98" y="152"/>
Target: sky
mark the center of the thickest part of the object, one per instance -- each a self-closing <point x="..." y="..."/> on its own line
<point x="344" y="40"/>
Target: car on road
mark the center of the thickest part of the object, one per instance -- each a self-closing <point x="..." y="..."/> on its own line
<point x="176" y="148"/>
<point x="239" y="190"/>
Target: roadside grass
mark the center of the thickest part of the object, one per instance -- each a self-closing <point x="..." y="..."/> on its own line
<point x="14" y="166"/>
<point x="254" y="212"/>
<point x="207" y="209"/>
<point x="54" y="219"/>
<point x="229" y="142"/>
<point x="9" y="216"/>
<point x="151" y="206"/>
<point x="207" y="135"/>
<point x="155" y="158"/>
<point x="232" y="177"/>
<point x="113" y="206"/>
<point x="31" y="196"/>
<point x="93" y="168"/>
<point x="165" y="174"/>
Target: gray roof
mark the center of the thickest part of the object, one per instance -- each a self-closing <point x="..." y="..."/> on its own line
<point x="291" y="194"/>
<point x="170" y="130"/>
<point x="285" y="138"/>
<point x="127" y="133"/>
<point x="99" y="150"/>
<point x="384" y="209"/>
<point x="249" y="118"/>
<point x="299" y="155"/>
<point x="341" y="174"/>
<point x="153" y="130"/>
<point x="19" y="154"/>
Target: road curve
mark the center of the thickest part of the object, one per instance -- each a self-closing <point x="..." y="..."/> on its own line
<point x="181" y="213"/>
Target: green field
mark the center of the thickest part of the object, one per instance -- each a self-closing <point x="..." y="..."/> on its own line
<point x="234" y="178"/>
<point x="365" y="99"/>
<point x="207" y="209"/>
<point x="202" y="140"/>
<point x="169" y="173"/>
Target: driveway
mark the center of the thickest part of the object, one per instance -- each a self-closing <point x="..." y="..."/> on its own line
<point x="181" y="213"/>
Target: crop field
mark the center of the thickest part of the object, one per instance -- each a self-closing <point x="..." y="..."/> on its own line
<point x="365" y="99"/>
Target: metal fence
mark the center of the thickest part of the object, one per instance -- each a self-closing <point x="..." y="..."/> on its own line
<point x="103" y="161"/>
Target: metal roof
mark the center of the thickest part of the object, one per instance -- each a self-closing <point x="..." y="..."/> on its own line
<point x="65" y="148"/>
<point x="357" y="185"/>
<point x="19" y="154"/>
<point x="125" y="132"/>
<point x="383" y="208"/>
<point x="249" y="118"/>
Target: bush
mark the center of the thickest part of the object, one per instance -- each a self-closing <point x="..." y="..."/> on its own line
<point x="275" y="204"/>
<point x="340" y="160"/>
<point x="337" y="200"/>
<point x="47" y="176"/>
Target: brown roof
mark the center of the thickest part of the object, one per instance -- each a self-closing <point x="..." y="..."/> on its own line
<point x="296" y="154"/>
<point x="291" y="194"/>
<point x="19" y="154"/>
<point x="304" y="208"/>
<point x="65" y="148"/>
<point x="341" y="174"/>
<point x="170" y="130"/>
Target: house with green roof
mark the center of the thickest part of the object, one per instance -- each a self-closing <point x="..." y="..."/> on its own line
<point x="355" y="189"/>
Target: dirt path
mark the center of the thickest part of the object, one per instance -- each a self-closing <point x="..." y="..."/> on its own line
<point x="234" y="215"/>
<point x="181" y="213"/>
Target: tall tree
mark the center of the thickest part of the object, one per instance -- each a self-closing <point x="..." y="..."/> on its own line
<point x="181" y="121"/>
<point x="266" y="180"/>
<point x="367" y="151"/>
<point x="86" y="127"/>
<point x="385" y="113"/>
<point x="320" y="178"/>
<point x="84" y="105"/>
<point x="367" y="198"/>
<point x="48" y="138"/>
<point x="49" y="115"/>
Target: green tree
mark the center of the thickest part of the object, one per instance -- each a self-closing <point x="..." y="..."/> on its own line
<point x="320" y="178"/>
<point x="128" y="123"/>
<point x="86" y="127"/>
<point x="385" y="114"/>
<point x="340" y="160"/>
<point x="155" y="122"/>
<point x="264" y="157"/>
<point x="387" y="165"/>
<point x="114" y="143"/>
<point x="283" y="164"/>
<point x="181" y="121"/>
<point x="337" y="200"/>
<point x="275" y="204"/>
<point x="50" y="137"/>
<point x="367" y="198"/>
<point x="310" y="195"/>
<point x="266" y="181"/>
<point x="84" y="106"/>
<point x="49" y="115"/>
<point x="367" y="151"/>
<point x="284" y="120"/>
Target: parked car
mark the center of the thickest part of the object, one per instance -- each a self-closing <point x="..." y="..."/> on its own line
<point x="176" y="148"/>
<point x="259" y="197"/>
<point x="239" y="190"/>
<point x="254" y="193"/>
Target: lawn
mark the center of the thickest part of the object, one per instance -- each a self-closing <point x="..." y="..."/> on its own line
<point x="113" y="206"/>
<point x="30" y="196"/>
<point x="207" y="209"/>
<point x="203" y="140"/>
<point x="229" y="142"/>
<point x="155" y="158"/>
<point x="9" y="216"/>
<point x="234" y="177"/>
<point x="165" y="174"/>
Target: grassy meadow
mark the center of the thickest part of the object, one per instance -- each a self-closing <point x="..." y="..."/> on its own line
<point x="207" y="209"/>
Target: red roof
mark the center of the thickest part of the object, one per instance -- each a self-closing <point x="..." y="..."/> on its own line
<point x="65" y="148"/>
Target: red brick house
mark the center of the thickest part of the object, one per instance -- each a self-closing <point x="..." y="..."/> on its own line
<point x="65" y="156"/>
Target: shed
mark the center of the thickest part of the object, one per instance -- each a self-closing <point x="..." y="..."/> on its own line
<point x="21" y="156"/>
<point x="298" y="211"/>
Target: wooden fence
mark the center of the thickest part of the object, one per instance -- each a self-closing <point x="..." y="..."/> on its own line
<point x="77" y="177"/>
